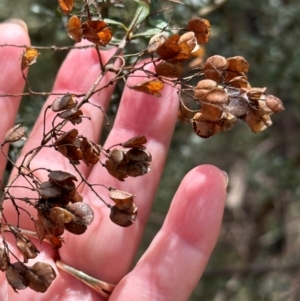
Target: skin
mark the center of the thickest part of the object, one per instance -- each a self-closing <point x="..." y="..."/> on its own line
<point x="176" y="258"/>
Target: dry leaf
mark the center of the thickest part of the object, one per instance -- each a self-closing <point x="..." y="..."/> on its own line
<point x="96" y="32"/>
<point x="74" y="29"/>
<point x="14" y="134"/>
<point x="152" y="87"/>
<point x="66" y="6"/>
<point x="29" y="57"/>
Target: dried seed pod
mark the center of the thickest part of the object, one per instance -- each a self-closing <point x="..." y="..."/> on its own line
<point x="201" y="28"/>
<point x="168" y="69"/>
<point x="238" y="64"/>
<point x="169" y="49"/>
<point x="203" y="86"/>
<point x="216" y="62"/>
<point x="151" y="87"/>
<point x="82" y="211"/>
<point x="4" y="259"/>
<point x="74" y="29"/>
<point x="156" y="41"/>
<point x="117" y="156"/>
<point x="274" y="103"/>
<point x="211" y="112"/>
<point x="49" y="190"/>
<point x="135" y="142"/>
<point x="14" y="134"/>
<point x="184" y="53"/>
<point x="117" y="173"/>
<point x="256" y="121"/>
<point x="238" y="107"/>
<point x="227" y="122"/>
<point x="40" y="276"/>
<point x="217" y="96"/>
<point x="64" y="102"/>
<point x="205" y="129"/>
<point x="214" y="75"/>
<point x="67" y="138"/>
<point x="16" y="276"/>
<point x="91" y="152"/>
<point x="29" y="57"/>
<point x="60" y="216"/>
<point x="138" y="155"/>
<point x="136" y="169"/>
<point x="66" y="6"/>
<point x="122" y="199"/>
<point x="63" y="179"/>
<point x="75" y="196"/>
<point x="26" y="247"/>
<point x="123" y="218"/>
<point x="190" y="39"/>
<point x="239" y="82"/>
<point x="76" y="226"/>
<point x="97" y="32"/>
<point x="73" y="115"/>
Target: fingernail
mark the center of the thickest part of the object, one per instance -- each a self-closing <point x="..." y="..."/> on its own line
<point x="226" y="178"/>
<point x="18" y="22"/>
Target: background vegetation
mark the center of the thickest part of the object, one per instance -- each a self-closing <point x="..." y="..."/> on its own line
<point x="257" y="256"/>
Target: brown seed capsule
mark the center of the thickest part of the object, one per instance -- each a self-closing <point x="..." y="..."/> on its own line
<point x="156" y="41"/>
<point x="190" y="39"/>
<point x="237" y="64"/>
<point x="136" y="142"/>
<point x="203" y="86"/>
<point x="211" y="112"/>
<point x="217" y="96"/>
<point x="205" y="129"/>
<point x="123" y="218"/>
<point x="74" y="29"/>
<point x="26" y="247"/>
<point x="274" y="103"/>
<point x="63" y="179"/>
<point x="216" y="62"/>
<point x="201" y="28"/>
<point x="4" y="259"/>
<point x="40" y="276"/>
<point x="122" y="199"/>
<point x="64" y="102"/>
<point x="49" y="190"/>
<point x="169" y="49"/>
<point x="97" y="32"/>
<point x="168" y="69"/>
<point x="66" y="6"/>
<point x="16" y="276"/>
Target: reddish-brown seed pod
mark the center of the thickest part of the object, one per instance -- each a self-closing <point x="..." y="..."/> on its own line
<point x="74" y="29"/>
<point x="156" y="41"/>
<point x="169" y="49"/>
<point x="217" y="96"/>
<point x="216" y="62"/>
<point x="238" y="64"/>
<point x="201" y="28"/>
<point x="211" y="112"/>
<point x="171" y="70"/>
<point x="274" y="103"/>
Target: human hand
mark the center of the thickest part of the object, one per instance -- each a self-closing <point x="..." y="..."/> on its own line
<point x="176" y="259"/>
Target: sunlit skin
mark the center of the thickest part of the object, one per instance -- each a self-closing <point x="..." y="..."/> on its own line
<point x="174" y="262"/>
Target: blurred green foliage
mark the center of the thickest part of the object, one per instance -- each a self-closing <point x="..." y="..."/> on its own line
<point x="257" y="256"/>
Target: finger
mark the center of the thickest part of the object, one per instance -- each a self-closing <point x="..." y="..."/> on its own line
<point x="76" y="76"/>
<point x="175" y="260"/>
<point x="13" y="32"/>
<point x="139" y="114"/>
